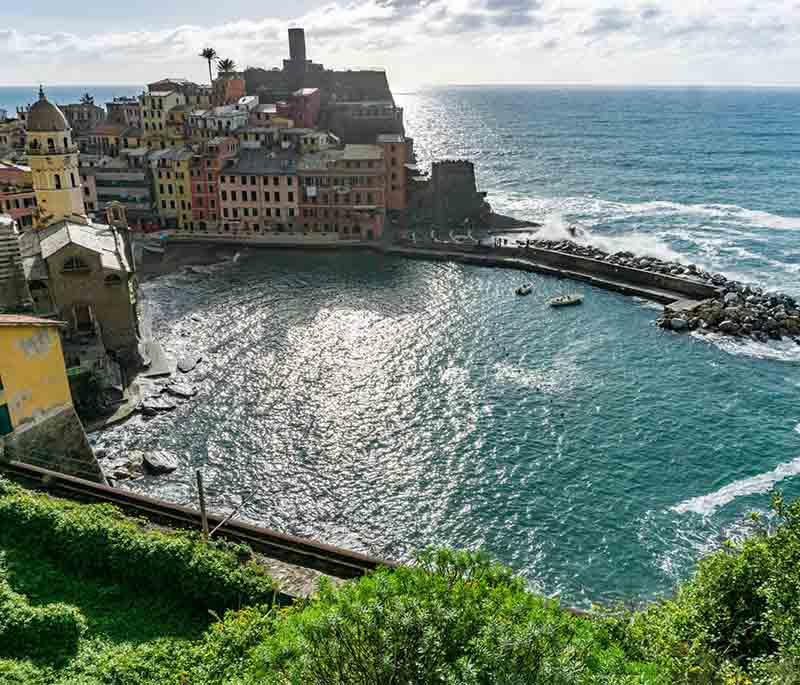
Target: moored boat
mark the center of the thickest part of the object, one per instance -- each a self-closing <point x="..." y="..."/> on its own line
<point x="526" y="289"/>
<point x="565" y="300"/>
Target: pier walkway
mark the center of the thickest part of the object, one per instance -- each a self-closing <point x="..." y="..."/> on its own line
<point x="635" y="282"/>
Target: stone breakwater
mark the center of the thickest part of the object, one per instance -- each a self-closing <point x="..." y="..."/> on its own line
<point x="739" y="309"/>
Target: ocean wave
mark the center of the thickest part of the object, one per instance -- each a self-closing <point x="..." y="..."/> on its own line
<point x="775" y="350"/>
<point x="762" y="483"/>
<point x="609" y="210"/>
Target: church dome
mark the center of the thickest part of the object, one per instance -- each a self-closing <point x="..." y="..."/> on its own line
<point x="44" y="116"/>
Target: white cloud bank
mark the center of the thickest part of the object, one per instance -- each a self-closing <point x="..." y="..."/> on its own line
<point x="452" y="41"/>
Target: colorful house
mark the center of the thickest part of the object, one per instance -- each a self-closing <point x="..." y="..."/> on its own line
<point x="33" y="378"/>
<point x="38" y="423"/>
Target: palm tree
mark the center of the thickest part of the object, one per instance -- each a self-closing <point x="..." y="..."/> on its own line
<point x="209" y="54"/>
<point x="87" y="99"/>
<point x="225" y="66"/>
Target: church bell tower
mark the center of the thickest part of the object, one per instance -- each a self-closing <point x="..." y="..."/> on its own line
<point x="53" y="158"/>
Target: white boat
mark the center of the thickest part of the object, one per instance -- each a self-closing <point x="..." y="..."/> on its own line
<point x="566" y="300"/>
<point x="526" y="289"/>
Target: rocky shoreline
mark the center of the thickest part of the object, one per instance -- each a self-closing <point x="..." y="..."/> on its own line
<point x="740" y="309"/>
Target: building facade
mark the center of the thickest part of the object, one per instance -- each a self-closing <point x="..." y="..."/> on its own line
<point x="14" y="293"/>
<point x="343" y="192"/>
<point x="38" y="423"/>
<point x="259" y="194"/>
<point x="206" y="169"/>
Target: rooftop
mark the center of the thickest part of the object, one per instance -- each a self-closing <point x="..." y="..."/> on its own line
<point x="97" y="238"/>
<point x="391" y="138"/>
<point x="304" y="92"/>
<point x="259" y="163"/>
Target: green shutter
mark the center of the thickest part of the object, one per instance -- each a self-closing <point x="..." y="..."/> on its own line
<point x="5" y="420"/>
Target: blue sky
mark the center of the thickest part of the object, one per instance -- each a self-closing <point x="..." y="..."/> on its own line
<point x="419" y="41"/>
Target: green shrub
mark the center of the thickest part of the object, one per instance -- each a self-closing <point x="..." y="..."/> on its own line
<point x="47" y="632"/>
<point x="454" y="618"/>
<point x="99" y="540"/>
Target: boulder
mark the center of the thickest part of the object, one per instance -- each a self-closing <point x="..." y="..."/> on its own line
<point x="125" y="467"/>
<point x="729" y="327"/>
<point x="678" y="324"/>
<point x="731" y="298"/>
<point x="189" y="362"/>
<point x="182" y="390"/>
<point x="151" y="406"/>
<point x="160" y="461"/>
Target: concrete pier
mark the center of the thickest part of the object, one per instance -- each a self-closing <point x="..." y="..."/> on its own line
<point x="628" y="281"/>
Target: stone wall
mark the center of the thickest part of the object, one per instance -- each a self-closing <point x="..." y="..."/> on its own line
<point x="55" y="441"/>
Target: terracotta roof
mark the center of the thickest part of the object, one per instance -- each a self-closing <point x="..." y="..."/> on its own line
<point x="22" y="320"/>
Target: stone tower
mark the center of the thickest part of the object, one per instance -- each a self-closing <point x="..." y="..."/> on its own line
<point x="53" y="158"/>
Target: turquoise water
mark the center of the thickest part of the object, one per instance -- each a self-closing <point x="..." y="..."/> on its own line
<point x="383" y="404"/>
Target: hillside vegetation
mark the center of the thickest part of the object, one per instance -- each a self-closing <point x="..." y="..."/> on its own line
<point x="90" y="597"/>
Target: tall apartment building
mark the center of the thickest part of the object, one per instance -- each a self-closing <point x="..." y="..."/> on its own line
<point x="156" y="105"/>
<point x="259" y="193"/>
<point x="343" y="191"/>
<point x="125" y="111"/>
<point x="206" y="168"/>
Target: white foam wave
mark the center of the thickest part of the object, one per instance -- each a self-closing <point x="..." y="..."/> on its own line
<point x="782" y="351"/>
<point x="608" y="210"/>
<point x="797" y="428"/>
<point x="764" y="482"/>
<point x="556" y="228"/>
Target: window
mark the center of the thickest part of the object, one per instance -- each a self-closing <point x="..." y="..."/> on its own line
<point x="172" y="204"/>
<point x="277" y="211"/>
<point x="253" y="196"/>
<point x="289" y="181"/>
<point x="213" y="204"/>
<point x="275" y="180"/>
<point x="225" y="212"/>
<point x="277" y="196"/>
<point x="112" y="279"/>
<point x="291" y="211"/>
<point x="252" y="180"/>
<point x="268" y="211"/>
<point x="224" y="194"/>
<point x="235" y="212"/>
<point x="161" y="188"/>
<point x="291" y="197"/>
<point x="163" y="204"/>
<point x="75" y="265"/>
<point x="58" y="182"/>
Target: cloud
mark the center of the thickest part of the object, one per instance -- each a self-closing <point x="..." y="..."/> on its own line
<point x="446" y="40"/>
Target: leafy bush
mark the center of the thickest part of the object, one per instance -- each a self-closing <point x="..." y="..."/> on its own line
<point x="454" y="618"/>
<point x="47" y="632"/>
<point x="738" y="618"/>
<point x="99" y="540"/>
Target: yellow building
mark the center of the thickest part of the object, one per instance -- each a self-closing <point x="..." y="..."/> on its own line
<point x="33" y="378"/>
<point x="156" y="107"/>
<point x="172" y="186"/>
<point x="53" y="158"/>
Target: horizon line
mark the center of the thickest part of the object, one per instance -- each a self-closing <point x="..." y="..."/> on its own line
<point x="479" y="84"/>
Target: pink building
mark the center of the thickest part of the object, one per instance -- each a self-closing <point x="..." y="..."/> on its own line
<point x="19" y="203"/>
<point x="259" y="194"/>
<point x="344" y="192"/>
<point x="205" y="174"/>
<point x="304" y="107"/>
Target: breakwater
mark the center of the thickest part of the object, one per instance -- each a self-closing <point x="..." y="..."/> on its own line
<point x="694" y="299"/>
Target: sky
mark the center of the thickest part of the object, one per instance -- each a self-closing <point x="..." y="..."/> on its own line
<point x="419" y="42"/>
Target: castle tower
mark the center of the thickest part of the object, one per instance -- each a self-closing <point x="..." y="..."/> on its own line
<point x="53" y="158"/>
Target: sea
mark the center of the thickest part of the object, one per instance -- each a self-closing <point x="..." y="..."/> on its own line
<point x="386" y="405"/>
